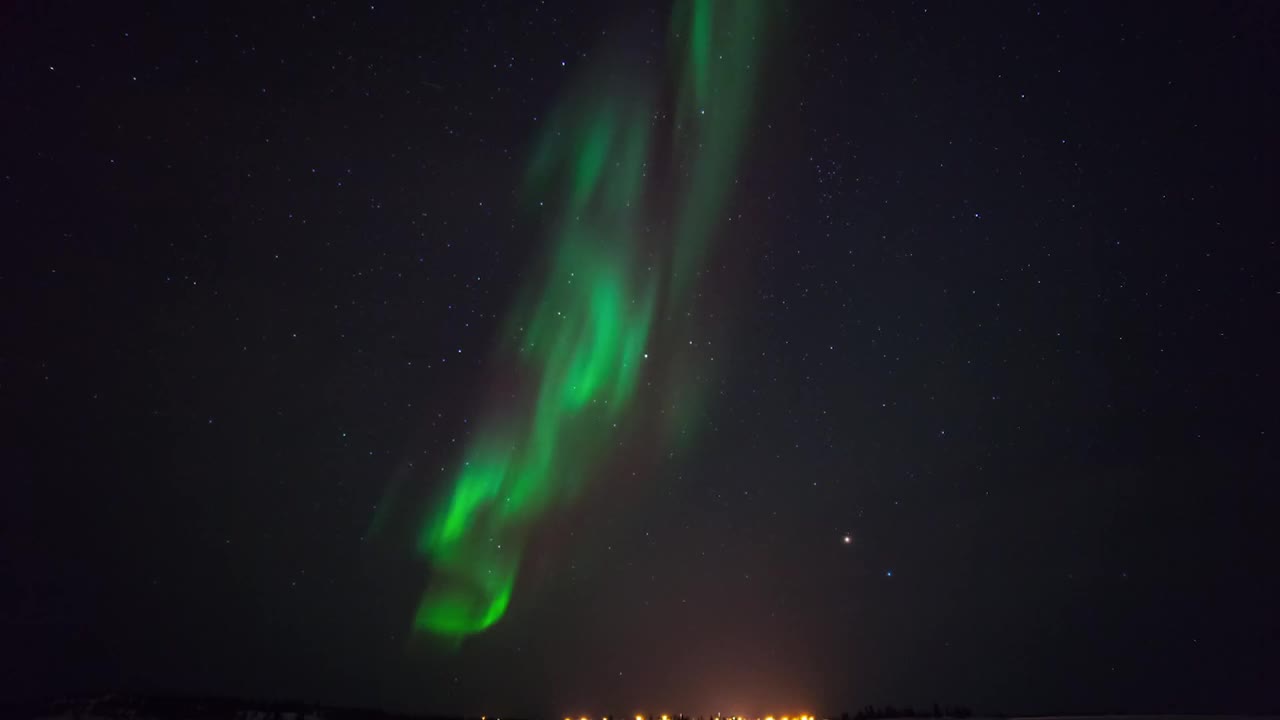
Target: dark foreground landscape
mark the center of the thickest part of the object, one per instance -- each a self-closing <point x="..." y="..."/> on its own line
<point x="144" y="707"/>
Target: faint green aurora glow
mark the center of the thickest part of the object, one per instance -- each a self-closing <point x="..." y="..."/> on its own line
<point x="583" y="330"/>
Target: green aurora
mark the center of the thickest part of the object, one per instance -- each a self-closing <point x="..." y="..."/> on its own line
<point x="582" y="332"/>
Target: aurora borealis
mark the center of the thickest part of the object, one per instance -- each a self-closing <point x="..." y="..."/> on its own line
<point x="583" y="332"/>
<point x="697" y="358"/>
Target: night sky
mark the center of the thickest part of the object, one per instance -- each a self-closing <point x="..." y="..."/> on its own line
<point x="970" y="398"/>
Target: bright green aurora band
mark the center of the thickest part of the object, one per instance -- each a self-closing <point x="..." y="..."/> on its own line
<point x="582" y="332"/>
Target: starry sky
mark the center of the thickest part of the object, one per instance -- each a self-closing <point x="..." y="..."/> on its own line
<point x="979" y="344"/>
